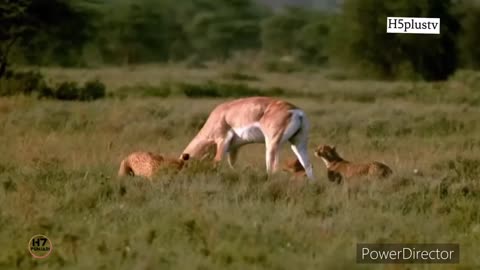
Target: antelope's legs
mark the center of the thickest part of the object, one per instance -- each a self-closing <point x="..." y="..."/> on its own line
<point x="272" y="155"/>
<point x="299" y="147"/>
<point x="232" y="156"/>
<point x="301" y="152"/>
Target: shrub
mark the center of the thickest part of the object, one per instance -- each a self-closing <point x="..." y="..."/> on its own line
<point x="213" y="89"/>
<point x="199" y="90"/>
<point x="160" y="91"/>
<point x="238" y="90"/>
<point x="22" y="83"/>
<point x="296" y="31"/>
<point x="92" y="90"/>
<point x="469" y="78"/>
<point x="275" y="91"/>
<point x="285" y="65"/>
<point x="469" y="16"/>
<point x="46" y="92"/>
<point x="336" y="76"/>
<point x="67" y="91"/>
<point x="210" y="89"/>
<point x="163" y="90"/>
<point x="32" y="82"/>
<point x="239" y="76"/>
<point x="370" y="49"/>
<point x="311" y="43"/>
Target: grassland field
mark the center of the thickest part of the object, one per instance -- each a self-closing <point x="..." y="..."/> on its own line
<point x="59" y="160"/>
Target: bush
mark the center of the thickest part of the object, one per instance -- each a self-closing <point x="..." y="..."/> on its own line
<point x="213" y="89"/>
<point x="22" y="83"/>
<point x="337" y="75"/>
<point x="311" y="43"/>
<point x="370" y="49"/>
<point x="67" y="91"/>
<point x="285" y="65"/>
<point x="92" y="90"/>
<point x="469" y="15"/>
<point x="278" y="32"/>
<point x="276" y="91"/>
<point x="239" y="76"/>
<point x="299" y="32"/>
<point x="31" y="82"/>
<point x="46" y="92"/>
<point x="209" y="89"/>
<point x="469" y="78"/>
<point x="163" y="90"/>
<point x="199" y="90"/>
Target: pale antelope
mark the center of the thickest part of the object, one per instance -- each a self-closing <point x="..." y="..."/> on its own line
<point x="254" y="120"/>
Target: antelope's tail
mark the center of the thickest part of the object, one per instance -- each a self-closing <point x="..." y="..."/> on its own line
<point x="298" y="122"/>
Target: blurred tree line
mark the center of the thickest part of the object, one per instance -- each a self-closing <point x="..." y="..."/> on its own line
<point x="97" y="32"/>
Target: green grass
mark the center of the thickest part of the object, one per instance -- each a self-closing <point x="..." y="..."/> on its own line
<point x="59" y="161"/>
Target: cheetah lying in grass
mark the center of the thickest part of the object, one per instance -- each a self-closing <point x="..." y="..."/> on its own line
<point x="146" y="164"/>
<point x="339" y="168"/>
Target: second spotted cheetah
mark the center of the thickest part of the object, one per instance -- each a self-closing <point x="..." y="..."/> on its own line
<point x="339" y="168"/>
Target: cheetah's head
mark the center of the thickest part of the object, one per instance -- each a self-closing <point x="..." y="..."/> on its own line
<point x="327" y="152"/>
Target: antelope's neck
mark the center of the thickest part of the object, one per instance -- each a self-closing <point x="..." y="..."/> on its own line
<point x="198" y="146"/>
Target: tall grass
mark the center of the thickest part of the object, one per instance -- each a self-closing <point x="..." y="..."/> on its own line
<point x="58" y="177"/>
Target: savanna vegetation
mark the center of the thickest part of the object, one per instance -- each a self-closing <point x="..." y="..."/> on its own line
<point x="59" y="163"/>
<point x="349" y="34"/>
<point x="85" y="82"/>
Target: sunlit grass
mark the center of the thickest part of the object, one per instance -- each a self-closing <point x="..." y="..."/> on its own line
<point x="58" y="177"/>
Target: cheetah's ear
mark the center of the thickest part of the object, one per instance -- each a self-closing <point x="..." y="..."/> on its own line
<point x="334" y="147"/>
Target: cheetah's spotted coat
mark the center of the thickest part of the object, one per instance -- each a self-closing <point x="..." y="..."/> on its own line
<point x="146" y="164"/>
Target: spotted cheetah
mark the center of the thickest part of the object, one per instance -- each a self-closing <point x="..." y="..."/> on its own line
<point x="146" y="164"/>
<point x="338" y="168"/>
<point x="295" y="167"/>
